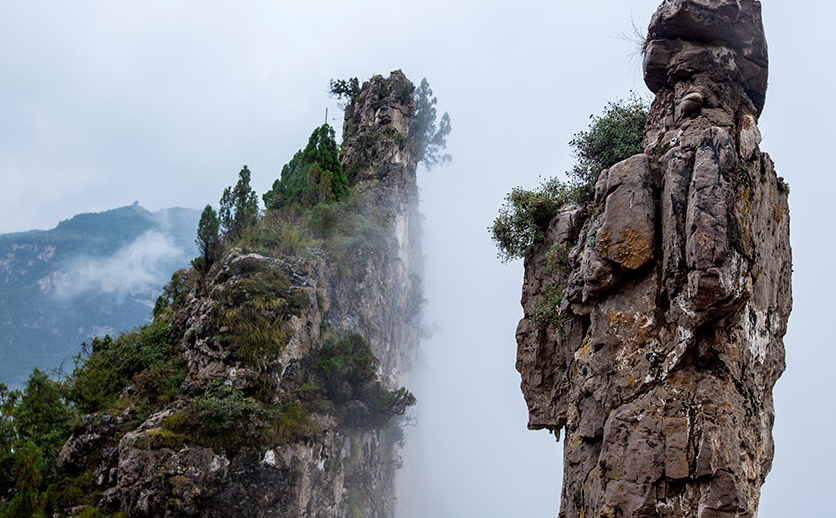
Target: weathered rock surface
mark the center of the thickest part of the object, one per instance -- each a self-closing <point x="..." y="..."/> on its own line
<point x="339" y="467"/>
<point x="677" y="293"/>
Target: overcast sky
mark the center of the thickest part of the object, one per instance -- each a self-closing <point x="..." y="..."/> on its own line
<point x="103" y="103"/>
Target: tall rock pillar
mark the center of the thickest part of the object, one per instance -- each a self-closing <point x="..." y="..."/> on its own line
<point x="677" y="291"/>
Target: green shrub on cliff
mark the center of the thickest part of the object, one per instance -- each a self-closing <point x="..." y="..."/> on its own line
<point x="108" y="365"/>
<point x="346" y="89"/>
<point x="225" y="418"/>
<point x="525" y="217"/>
<point x="611" y="137"/>
<point x="348" y="366"/>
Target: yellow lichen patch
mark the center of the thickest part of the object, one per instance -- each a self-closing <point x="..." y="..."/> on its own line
<point x="177" y="482"/>
<point x="779" y="207"/>
<point x="572" y="413"/>
<point x="584" y="349"/>
<point x="746" y="122"/>
<point x="635" y="249"/>
<point x="574" y="442"/>
<point x="677" y="379"/>
<point x="603" y="241"/>
<point x="630" y="328"/>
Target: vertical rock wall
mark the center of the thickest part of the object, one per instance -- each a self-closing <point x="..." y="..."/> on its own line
<point x="661" y="364"/>
<point x="382" y="299"/>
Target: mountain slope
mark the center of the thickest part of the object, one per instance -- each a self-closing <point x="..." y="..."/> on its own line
<point x="93" y="274"/>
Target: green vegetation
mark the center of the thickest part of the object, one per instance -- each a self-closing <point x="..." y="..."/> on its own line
<point x="239" y="206"/>
<point x="145" y="358"/>
<point x="350" y="231"/>
<point x="429" y="139"/>
<point x="346" y="89"/>
<point x="348" y="366"/>
<point x="611" y="137"/>
<point x="225" y="418"/>
<point x="173" y="295"/>
<point x="525" y="217"/>
<point x="208" y="241"/>
<point x="558" y="266"/>
<point x="34" y="424"/>
<point x="253" y="313"/>
<point x="314" y="174"/>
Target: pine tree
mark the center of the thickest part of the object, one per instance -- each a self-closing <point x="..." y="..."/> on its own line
<point x="239" y="206"/>
<point x="302" y="178"/>
<point x="208" y="240"/>
<point x="429" y="140"/>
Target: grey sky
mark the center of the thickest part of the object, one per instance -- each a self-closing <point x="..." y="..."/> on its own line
<point x="103" y="103"/>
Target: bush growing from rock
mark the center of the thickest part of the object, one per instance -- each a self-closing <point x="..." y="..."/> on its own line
<point x="611" y="137"/>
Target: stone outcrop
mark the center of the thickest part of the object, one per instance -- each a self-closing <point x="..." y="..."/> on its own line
<point x="340" y="464"/>
<point x="661" y="364"/>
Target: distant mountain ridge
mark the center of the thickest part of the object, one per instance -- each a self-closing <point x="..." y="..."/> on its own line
<point x="92" y="274"/>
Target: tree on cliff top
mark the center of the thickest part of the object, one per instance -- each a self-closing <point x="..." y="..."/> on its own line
<point x="346" y="89"/>
<point x="429" y="140"/>
<point x="239" y="206"/>
<point x="208" y="240"/>
<point x="427" y="133"/>
<point x="313" y="175"/>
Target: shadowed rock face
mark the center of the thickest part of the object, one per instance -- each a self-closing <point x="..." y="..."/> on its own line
<point x="677" y="294"/>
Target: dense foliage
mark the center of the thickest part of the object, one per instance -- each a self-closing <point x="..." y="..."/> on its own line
<point x="34" y="423"/>
<point x="208" y="240"/>
<point x="314" y="174"/>
<point x="346" y="89"/>
<point x="429" y="136"/>
<point x="348" y="365"/>
<point x="611" y="137"/>
<point x="238" y="206"/>
<point x="525" y="216"/>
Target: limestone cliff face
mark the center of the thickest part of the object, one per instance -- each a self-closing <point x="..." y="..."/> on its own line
<point x="341" y="464"/>
<point x="676" y="291"/>
<point x="382" y="299"/>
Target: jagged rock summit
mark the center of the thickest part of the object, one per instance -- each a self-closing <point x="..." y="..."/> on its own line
<point x="676" y="292"/>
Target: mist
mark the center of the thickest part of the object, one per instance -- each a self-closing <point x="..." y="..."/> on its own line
<point x="470" y="453"/>
<point x="106" y="103"/>
<point x="136" y="267"/>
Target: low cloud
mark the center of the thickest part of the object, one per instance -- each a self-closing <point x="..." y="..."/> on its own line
<point x="142" y="265"/>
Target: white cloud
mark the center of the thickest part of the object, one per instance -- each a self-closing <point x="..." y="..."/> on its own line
<point x="138" y="266"/>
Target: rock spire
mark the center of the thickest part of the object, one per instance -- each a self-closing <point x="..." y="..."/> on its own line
<point x="677" y="293"/>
